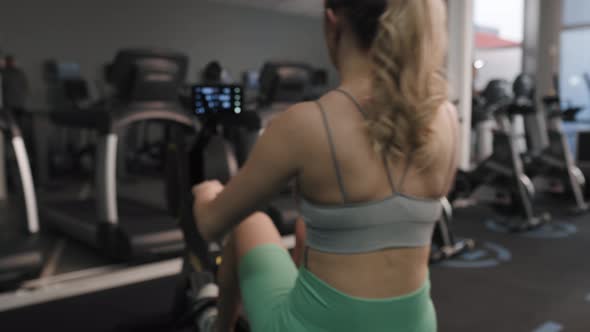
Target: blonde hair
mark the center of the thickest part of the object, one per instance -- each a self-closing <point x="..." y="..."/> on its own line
<point x="408" y="82"/>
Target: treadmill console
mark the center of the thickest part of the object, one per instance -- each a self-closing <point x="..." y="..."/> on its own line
<point x="217" y="99"/>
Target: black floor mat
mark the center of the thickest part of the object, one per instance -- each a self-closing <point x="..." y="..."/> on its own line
<point x="114" y="310"/>
<point x="543" y="286"/>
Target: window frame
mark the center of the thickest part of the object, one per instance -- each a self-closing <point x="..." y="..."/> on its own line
<point x="570" y="28"/>
<point x="565" y="26"/>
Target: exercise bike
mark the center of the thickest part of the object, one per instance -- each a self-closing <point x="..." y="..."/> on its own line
<point x="548" y="156"/>
<point x="445" y="245"/>
<point x="500" y="169"/>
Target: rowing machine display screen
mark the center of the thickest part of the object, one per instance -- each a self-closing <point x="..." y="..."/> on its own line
<point x="215" y="99"/>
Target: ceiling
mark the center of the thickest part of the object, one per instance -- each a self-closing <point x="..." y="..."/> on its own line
<point x="299" y="7"/>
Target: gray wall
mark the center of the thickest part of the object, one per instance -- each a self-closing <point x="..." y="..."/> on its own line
<point x="90" y="32"/>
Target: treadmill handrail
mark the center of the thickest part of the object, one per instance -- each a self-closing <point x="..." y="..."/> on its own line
<point x="170" y="113"/>
<point x="110" y="119"/>
<point x="106" y="170"/>
<point x="10" y="126"/>
<point x="8" y="123"/>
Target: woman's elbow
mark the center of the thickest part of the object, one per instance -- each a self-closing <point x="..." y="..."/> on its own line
<point x="204" y="225"/>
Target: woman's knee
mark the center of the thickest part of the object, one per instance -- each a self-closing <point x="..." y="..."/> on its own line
<point x="258" y="229"/>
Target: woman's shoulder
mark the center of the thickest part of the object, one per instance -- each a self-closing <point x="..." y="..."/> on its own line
<point x="446" y="128"/>
<point x="449" y="109"/>
<point x="296" y="116"/>
<point x="298" y="125"/>
<point x="446" y="118"/>
<point x="307" y="116"/>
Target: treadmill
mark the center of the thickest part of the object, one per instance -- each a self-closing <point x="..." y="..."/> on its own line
<point x="147" y="82"/>
<point x="20" y="254"/>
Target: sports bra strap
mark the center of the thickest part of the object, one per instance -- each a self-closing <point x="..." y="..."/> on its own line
<point x="406" y="170"/>
<point x="384" y="157"/>
<point x="389" y="177"/>
<point x="333" y="152"/>
<point x="354" y="101"/>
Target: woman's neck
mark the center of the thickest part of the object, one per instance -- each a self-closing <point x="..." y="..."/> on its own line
<point x="355" y="72"/>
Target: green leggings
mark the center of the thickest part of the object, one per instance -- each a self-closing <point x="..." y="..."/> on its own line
<point x="277" y="298"/>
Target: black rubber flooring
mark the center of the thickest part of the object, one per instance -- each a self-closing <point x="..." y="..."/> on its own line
<point x="541" y="281"/>
<point x="121" y="309"/>
<point x="73" y="255"/>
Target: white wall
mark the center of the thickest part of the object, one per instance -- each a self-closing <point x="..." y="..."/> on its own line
<point x="461" y="38"/>
<point x="90" y="32"/>
<point x="504" y="63"/>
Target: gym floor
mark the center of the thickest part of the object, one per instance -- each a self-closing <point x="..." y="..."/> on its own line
<point x="534" y="282"/>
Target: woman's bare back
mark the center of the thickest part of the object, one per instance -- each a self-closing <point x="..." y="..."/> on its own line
<point x="387" y="273"/>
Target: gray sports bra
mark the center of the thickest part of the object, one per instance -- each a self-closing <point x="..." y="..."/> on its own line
<point x="399" y="221"/>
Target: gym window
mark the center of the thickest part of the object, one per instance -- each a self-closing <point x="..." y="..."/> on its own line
<point x="499" y="29"/>
<point x="575" y="56"/>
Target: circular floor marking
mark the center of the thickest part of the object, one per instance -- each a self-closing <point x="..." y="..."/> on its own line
<point x="485" y="256"/>
<point x="555" y="230"/>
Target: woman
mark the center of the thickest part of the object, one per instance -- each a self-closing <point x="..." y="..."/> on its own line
<point x="371" y="160"/>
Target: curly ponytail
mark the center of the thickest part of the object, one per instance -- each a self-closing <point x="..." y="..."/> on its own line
<point x="409" y="86"/>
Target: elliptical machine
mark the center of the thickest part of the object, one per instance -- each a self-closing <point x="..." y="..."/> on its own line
<point x="445" y="245"/>
<point x="500" y="168"/>
<point x="548" y="156"/>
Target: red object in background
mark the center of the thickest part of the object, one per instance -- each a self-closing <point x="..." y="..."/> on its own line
<point x="484" y="40"/>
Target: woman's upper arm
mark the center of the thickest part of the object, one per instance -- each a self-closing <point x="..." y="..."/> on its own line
<point x="275" y="159"/>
